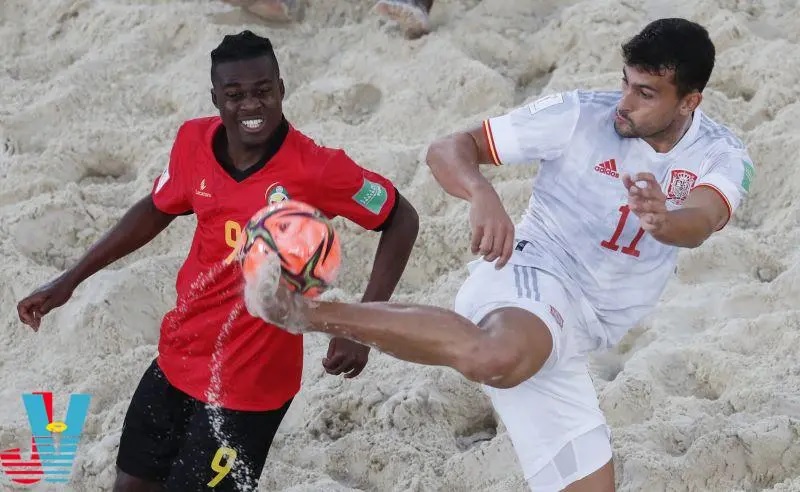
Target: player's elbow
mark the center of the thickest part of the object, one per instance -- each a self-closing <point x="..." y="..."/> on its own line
<point x="705" y="226"/>
<point x="698" y="236"/>
<point x="405" y="220"/>
<point x="442" y="151"/>
<point x="434" y="157"/>
<point x="683" y="241"/>
<point x="689" y="227"/>
<point x="695" y="242"/>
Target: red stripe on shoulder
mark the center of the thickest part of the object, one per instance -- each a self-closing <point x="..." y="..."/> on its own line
<point x="487" y="130"/>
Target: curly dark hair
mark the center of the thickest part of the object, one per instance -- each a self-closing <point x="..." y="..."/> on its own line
<point x="242" y="46"/>
<point x="673" y="44"/>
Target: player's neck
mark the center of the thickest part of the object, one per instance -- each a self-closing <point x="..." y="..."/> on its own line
<point x="232" y="152"/>
<point x="243" y="156"/>
<point x="665" y="140"/>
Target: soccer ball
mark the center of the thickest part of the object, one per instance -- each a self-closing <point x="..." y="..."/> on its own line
<point x="304" y="241"/>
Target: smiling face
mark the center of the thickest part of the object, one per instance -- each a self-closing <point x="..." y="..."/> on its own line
<point x="249" y="95"/>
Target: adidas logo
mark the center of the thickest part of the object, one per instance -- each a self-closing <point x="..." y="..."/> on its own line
<point x="608" y="167"/>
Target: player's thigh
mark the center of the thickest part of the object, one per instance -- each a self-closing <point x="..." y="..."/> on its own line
<point x="515" y="346"/>
<point x="601" y="480"/>
<point x="553" y="418"/>
<point x="555" y="425"/>
<point x="225" y="450"/>
<point x="152" y="431"/>
<point x="583" y="464"/>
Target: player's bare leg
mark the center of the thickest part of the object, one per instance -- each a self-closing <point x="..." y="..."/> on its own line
<point x="129" y="483"/>
<point x="601" y="480"/>
<point x="412" y="15"/>
<point x="273" y="10"/>
<point x="509" y="346"/>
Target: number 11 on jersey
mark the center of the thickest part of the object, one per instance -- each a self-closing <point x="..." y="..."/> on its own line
<point x="611" y="244"/>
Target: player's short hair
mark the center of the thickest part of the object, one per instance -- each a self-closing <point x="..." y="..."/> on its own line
<point x="673" y="44"/>
<point x="245" y="45"/>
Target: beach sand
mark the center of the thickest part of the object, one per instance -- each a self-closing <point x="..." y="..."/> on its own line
<point x="704" y="395"/>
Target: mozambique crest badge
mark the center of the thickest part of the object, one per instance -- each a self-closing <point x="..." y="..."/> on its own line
<point x="680" y="184"/>
<point x="276" y="193"/>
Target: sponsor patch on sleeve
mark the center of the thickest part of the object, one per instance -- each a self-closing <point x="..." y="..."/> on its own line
<point x="371" y="196"/>
<point x="545" y="102"/>
<point x="747" y="177"/>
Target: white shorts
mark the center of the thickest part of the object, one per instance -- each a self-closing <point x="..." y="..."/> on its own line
<point x="553" y="419"/>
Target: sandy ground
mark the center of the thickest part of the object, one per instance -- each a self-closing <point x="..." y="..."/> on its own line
<point x="705" y="395"/>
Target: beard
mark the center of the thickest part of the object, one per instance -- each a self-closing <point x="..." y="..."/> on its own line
<point x="625" y="128"/>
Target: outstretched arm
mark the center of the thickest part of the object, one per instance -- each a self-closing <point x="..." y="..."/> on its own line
<point x="541" y="130"/>
<point x="372" y="201"/>
<point x="703" y="212"/>
<point x="136" y="228"/>
<point x="140" y="225"/>
<point x="723" y="183"/>
<point x="397" y="240"/>
<point x="398" y="236"/>
<point x="454" y="161"/>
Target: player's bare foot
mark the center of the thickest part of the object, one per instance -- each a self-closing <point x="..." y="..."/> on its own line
<point x="266" y="298"/>
<point x="412" y="15"/>
<point x="272" y="10"/>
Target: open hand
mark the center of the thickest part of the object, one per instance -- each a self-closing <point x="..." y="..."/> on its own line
<point x="492" y="228"/>
<point x="345" y="356"/>
<point x="646" y="200"/>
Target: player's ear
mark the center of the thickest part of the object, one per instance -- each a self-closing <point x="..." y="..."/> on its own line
<point x="283" y="89"/>
<point x="214" y="99"/>
<point x="690" y="102"/>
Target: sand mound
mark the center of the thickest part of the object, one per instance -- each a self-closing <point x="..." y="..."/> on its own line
<point x="701" y="396"/>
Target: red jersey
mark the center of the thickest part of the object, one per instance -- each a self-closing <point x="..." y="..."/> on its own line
<point x="210" y="347"/>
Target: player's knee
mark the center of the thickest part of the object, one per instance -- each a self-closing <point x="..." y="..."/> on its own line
<point x="513" y="347"/>
<point x="504" y="369"/>
<point x="488" y="363"/>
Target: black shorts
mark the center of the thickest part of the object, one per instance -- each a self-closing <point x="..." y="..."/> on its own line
<point x="168" y="437"/>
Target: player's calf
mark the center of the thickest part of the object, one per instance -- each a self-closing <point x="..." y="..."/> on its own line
<point x="513" y="346"/>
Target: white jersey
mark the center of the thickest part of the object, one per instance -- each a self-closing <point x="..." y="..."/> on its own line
<point x="577" y="221"/>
